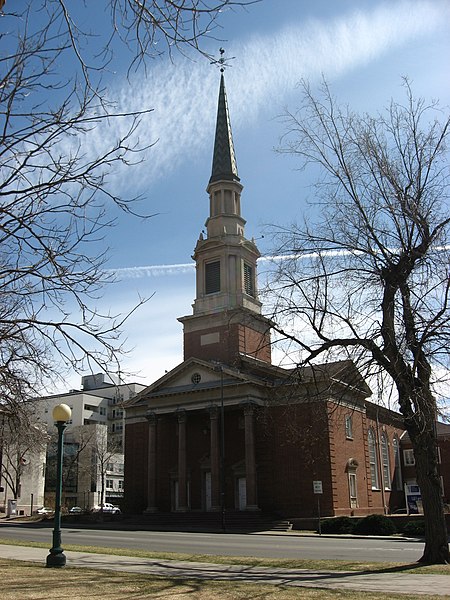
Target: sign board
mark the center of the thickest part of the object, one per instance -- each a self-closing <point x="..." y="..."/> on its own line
<point x="12" y="508"/>
<point x="413" y="499"/>
<point x="317" y="487"/>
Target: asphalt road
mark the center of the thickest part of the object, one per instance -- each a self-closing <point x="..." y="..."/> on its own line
<point x="289" y="545"/>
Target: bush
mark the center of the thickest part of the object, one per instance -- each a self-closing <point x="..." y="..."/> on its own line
<point x="338" y="525"/>
<point x="375" y="525"/>
<point x="414" y="528"/>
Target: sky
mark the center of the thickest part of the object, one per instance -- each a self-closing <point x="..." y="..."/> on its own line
<point x="362" y="47"/>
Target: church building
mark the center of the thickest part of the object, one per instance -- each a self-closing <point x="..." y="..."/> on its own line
<point x="226" y="434"/>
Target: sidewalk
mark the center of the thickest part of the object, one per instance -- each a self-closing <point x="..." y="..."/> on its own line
<point x="392" y="581"/>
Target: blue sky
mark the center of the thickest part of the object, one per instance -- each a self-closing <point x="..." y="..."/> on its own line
<point x="362" y="47"/>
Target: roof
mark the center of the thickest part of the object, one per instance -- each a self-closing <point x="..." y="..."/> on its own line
<point x="224" y="166"/>
<point x="442" y="431"/>
<point x="343" y="371"/>
<point x="194" y="382"/>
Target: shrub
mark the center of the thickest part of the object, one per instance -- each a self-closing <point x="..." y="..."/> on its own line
<point x="414" y="528"/>
<point x="375" y="525"/>
<point x="338" y="525"/>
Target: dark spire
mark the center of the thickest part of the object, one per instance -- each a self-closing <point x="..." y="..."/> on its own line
<point x="224" y="161"/>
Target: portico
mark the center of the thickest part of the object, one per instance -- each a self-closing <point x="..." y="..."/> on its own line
<point x="207" y="444"/>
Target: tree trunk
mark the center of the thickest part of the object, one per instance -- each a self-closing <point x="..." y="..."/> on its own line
<point x="436" y="537"/>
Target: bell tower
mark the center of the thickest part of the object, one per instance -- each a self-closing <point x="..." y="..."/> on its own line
<point x="226" y="321"/>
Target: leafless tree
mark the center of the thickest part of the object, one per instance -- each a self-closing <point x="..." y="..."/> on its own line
<point x="77" y="462"/>
<point x="106" y="452"/>
<point x="21" y="439"/>
<point x="56" y="199"/>
<point x="368" y="276"/>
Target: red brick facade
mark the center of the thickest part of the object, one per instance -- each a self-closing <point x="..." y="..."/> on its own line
<point x="226" y="429"/>
<point x="298" y="439"/>
<point x="233" y="340"/>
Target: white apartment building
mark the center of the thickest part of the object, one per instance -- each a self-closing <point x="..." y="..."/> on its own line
<point x="93" y="440"/>
<point x="22" y="478"/>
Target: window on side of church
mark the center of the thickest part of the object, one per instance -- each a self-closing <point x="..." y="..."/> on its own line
<point x="385" y="460"/>
<point x="397" y="478"/>
<point x="353" y="489"/>
<point x="212" y="277"/>
<point x="249" y="280"/>
<point x="348" y="427"/>
<point x="373" y="459"/>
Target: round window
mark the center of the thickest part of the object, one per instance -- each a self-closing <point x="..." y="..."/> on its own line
<point x="196" y="378"/>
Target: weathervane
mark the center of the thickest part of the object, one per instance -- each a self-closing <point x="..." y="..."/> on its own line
<point x="221" y="62"/>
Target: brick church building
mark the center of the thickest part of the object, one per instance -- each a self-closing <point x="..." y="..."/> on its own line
<point x="226" y="432"/>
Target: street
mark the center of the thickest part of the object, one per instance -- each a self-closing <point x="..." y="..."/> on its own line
<point x="288" y="545"/>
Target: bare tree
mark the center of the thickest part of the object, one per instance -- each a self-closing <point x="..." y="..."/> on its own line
<point x="108" y="453"/>
<point x="56" y="198"/>
<point x="88" y="454"/>
<point x="78" y="458"/>
<point x="369" y="278"/>
<point x="20" y="439"/>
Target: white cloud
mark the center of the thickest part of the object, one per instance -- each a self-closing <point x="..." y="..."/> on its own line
<point x="183" y="95"/>
<point x="270" y="67"/>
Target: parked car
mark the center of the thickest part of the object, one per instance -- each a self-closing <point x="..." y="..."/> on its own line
<point x="76" y="510"/>
<point x="45" y="511"/>
<point x="107" y="508"/>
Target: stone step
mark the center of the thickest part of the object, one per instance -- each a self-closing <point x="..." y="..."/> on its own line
<point x="212" y="521"/>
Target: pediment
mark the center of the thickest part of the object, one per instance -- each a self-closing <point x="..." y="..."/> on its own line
<point x="191" y="381"/>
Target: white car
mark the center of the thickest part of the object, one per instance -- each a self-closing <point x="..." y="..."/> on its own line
<point x="76" y="510"/>
<point x="45" y="511"/>
<point x="107" y="508"/>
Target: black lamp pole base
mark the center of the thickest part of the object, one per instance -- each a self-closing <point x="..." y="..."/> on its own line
<point x="56" y="560"/>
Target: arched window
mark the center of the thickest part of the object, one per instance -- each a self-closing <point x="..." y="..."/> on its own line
<point x="373" y="459"/>
<point x="397" y="478"/>
<point x="385" y="461"/>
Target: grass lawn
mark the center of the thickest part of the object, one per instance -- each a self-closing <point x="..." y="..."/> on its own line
<point x="28" y="580"/>
<point x="321" y="565"/>
<point x="31" y="581"/>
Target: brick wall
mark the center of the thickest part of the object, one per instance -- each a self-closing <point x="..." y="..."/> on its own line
<point x="297" y="442"/>
<point x="292" y="452"/>
<point x="234" y="339"/>
<point x="135" y="469"/>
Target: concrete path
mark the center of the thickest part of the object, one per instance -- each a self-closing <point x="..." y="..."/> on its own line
<point x="394" y="581"/>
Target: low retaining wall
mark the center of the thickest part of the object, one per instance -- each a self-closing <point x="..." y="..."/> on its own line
<point x="311" y="524"/>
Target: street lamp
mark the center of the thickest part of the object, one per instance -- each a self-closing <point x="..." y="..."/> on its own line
<point x="56" y="558"/>
<point x="219" y="367"/>
<point x="222" y="452"/>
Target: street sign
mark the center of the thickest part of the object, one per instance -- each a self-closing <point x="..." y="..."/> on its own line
<point x="317" y="487"/>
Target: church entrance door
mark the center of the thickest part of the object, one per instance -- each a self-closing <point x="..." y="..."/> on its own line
<point x="208" y="503"/>
<point x="242" y="493"/>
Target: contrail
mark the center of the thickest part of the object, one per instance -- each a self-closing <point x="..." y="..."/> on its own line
<point x="187" y="268"/>
<point x="151" y="271"/>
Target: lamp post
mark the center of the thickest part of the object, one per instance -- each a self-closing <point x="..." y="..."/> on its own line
<point x="56" y="558"/>
<point x="222" y="453"/>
